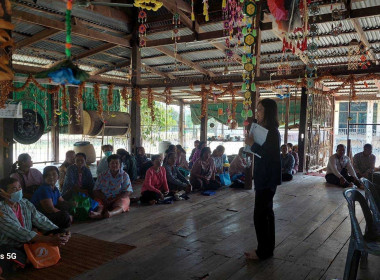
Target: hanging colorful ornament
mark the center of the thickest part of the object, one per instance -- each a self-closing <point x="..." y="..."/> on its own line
<point x="220" y="111"/>
<point x="205" y="10"/>
<point x="150" y="5"/>
<point x="66" y="72"/>
<point x="353" y="55"/>
<point x="192" y="11"/>
<point x="176" y="36"/>
<point x="250" y="8"/>
<point x="142" y="18"/>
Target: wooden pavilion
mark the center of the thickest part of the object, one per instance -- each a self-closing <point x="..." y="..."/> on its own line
<point x="182" y="57"/>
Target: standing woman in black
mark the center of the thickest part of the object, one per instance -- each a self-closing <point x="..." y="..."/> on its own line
<point x="267" y="176"/>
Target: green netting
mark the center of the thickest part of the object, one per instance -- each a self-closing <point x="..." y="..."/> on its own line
<point x="213" y="112"/>
<point x="33" y="98"/>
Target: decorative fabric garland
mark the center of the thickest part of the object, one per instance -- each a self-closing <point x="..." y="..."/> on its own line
<point x="151" y="103"/>
<point x="137" y="97"/>
<point x="81" y="88"/>
<point x="125" y="96"/>
<point x="98" y="99"/>
<point x="110" y="95"/>
<point x="168" y="96"/>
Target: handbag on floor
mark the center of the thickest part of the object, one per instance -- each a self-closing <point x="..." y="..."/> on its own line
<point x="225" y="179"/>
<point x="42" y="255"/>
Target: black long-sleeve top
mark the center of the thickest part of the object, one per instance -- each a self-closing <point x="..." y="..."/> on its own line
<point x="267" y="169"/>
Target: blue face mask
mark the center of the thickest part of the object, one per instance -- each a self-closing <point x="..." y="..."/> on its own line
<point x="108" y="153"/>
<point x="16" y="196"/>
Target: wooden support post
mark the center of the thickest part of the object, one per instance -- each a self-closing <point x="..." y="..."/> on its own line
<point x="181" y="123"/>
<point x="255" y="95"/>
<point x="302" y="130"/>
<point x="75" y="109"/>
<point x="54" y="128"/>
<point x="6" y="125"/>
<point x="287" y="119"/>
<point x="204" y="122"/>
<point x="135" y="108"/>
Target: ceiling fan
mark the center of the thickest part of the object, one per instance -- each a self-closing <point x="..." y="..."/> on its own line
<point x="86" y="3"/>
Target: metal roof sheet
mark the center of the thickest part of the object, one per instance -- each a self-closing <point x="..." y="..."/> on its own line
<point x="147" y="52"/>
<point x="49" y="45"/>
<point x="168" y="34"/>
<point x="159" y="60"/>
<point x="210" y="54"/>
<point x="120" y="51"/>
<point x="77" y="40"/>
<point x="27" y="28"/>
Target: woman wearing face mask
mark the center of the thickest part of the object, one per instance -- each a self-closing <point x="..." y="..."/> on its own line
<point x="49" y="201"/>
<point x="18" y="217"/>
<point x="155" y="185"/>
<point x="112" y="190"/>
<point x="78" y="178"/>
<point x="30" y="178"/>
<point x="103" y="164"/>
<point x="267" y="176"/>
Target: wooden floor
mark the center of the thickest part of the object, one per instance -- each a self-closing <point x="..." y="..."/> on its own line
<point x="205" y="237"/>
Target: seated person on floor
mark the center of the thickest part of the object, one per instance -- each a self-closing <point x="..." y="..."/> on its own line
<point x="49" y="201"/>
<point x="112" y="190"/>
<point x="237" y="169"/>
<point x="219" y="158"/>
<point x="19" y="219"/>
<point x="78" y="178"/>
<point x="29" y="178"/>
<point x="287" y="164"/>
<point x="103" y="163"/>
<point x="170" y="149"/>
<point x="296" y="158"/>
<point x="155" y="185"/>
<point x="176" y="181"/>
<point x="364" y="162"/>
<point x="197" y="153"/>
<point x="340" y="171"/>
<point x="202" y="174"/>
<point x="181" y="162"/>
<point x="196" y="143"/>
<point x="143" y="163"/>
<point x="128" y="163"/>
<point x="70" y="160"/>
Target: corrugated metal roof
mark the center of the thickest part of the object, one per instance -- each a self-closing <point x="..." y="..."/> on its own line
<point x="210" y="54"/>
<point x="31" y="59"/>
<point x="159" y="60"/>
<point x="27" y="28"/>
<point x="120" y="51"/>
<point x="48" y="45"/>
<point x="147" y="52"/>
<point x="77" y="40"/>
<point x="370" y="22"/>
<point x="364" y="4"/>
<point x="105" y="57"/>
<point x="215" y="26"/>
<point x="57" y="11"/>
<point x="168" y="34"/>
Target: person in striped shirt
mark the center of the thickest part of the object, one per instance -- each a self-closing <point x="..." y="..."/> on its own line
<point x="19" y="220"/>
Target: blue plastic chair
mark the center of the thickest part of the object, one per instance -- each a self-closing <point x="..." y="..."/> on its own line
<point x="359" y="243"/>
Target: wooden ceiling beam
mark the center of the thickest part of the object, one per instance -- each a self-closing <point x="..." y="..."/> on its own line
<point x="37" y="37"/>
<point x="162" y="74"/>
<point x="78" y="29"/>
<point x="364" y="39"/>
<point x="88" y="53"/>
<point x="193" y="65"/>
<point x="111" y="68"/>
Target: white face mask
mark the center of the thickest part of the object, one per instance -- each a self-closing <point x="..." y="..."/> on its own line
<point x="16" y="196"/>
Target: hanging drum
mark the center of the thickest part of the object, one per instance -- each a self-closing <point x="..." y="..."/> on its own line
<point x="116" y="123"/>
<point x="30" y="128"/>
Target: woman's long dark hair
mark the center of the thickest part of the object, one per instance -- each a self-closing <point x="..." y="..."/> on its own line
<point x="179" y="148"/>
<point x="270" y="113"/>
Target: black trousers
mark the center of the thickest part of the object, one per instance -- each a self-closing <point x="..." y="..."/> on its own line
<point x="61" y="219"/>
<point x="149" y="196"/>
<point x="263" y="218"/>
<point x="332" y="179"/>
<point x="287" y="177"/>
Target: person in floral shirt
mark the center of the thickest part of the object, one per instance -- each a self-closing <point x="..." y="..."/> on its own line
<point x="113" y="189"/>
